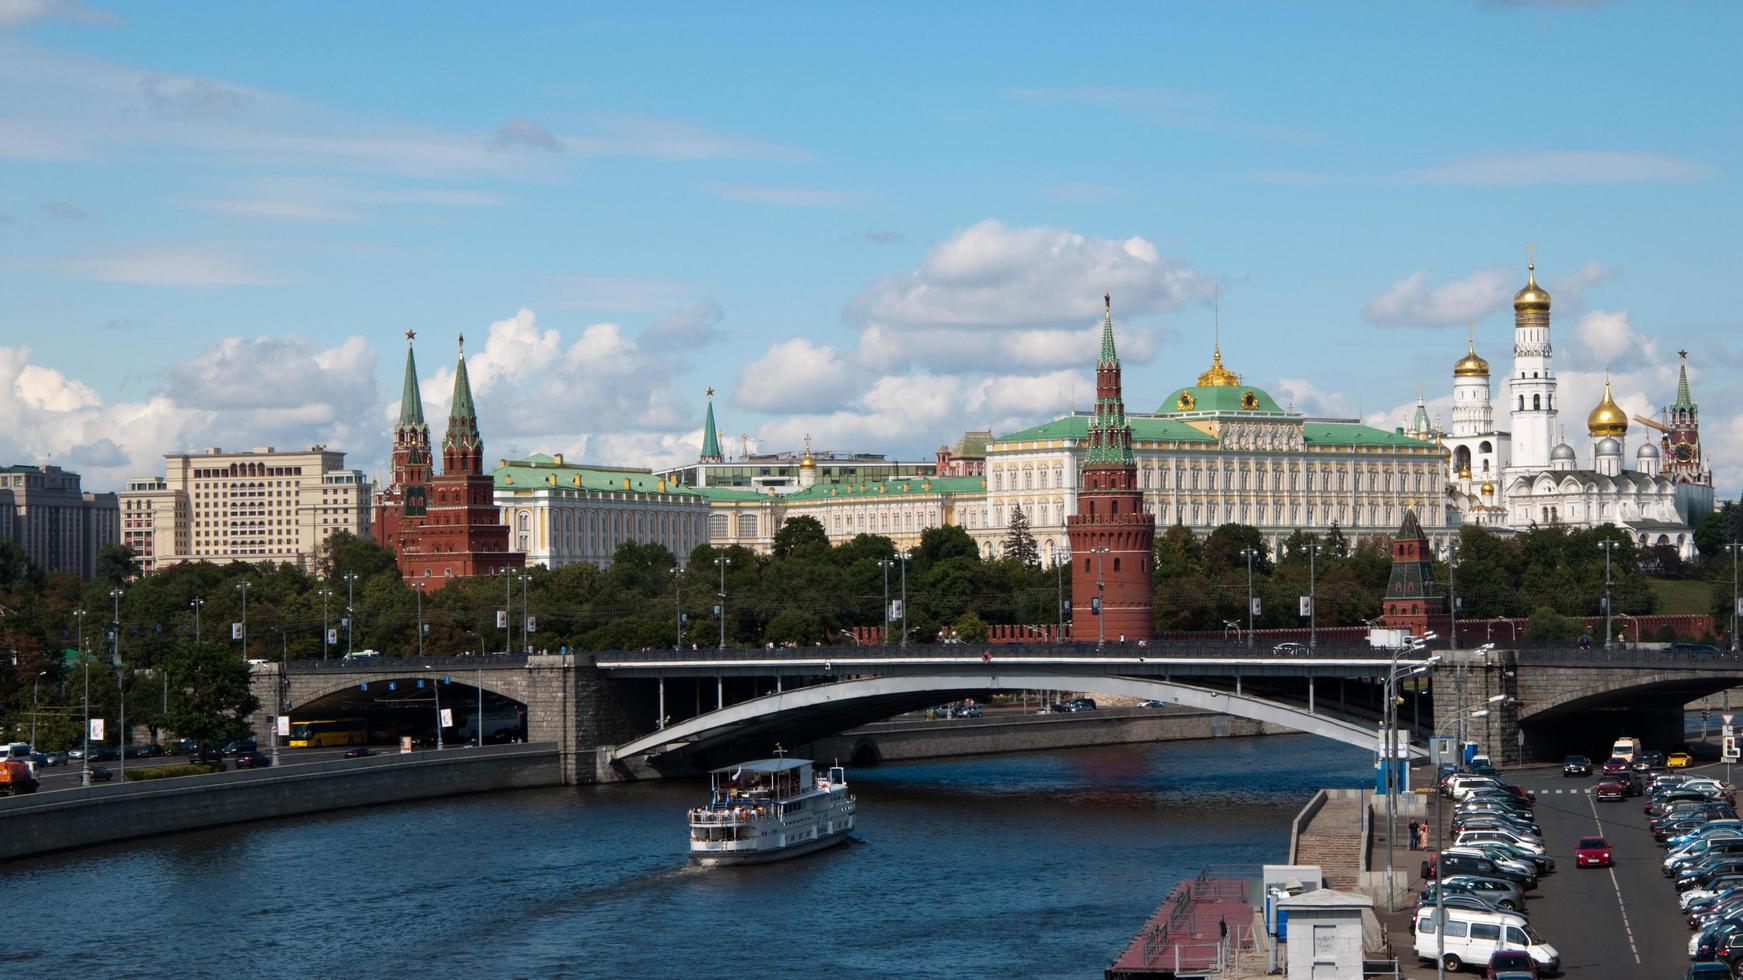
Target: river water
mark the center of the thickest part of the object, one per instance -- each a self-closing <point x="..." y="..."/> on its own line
<point x="1035" y="865"/>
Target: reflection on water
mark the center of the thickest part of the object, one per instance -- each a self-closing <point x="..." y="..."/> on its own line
<point x="1038" y="864"/>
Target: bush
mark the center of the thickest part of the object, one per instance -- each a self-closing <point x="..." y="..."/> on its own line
<point x="1548" y="626"/>
<point x="167" y="772"/>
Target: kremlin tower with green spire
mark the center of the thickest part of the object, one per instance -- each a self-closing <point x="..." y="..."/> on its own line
<point x="402" y="503"/>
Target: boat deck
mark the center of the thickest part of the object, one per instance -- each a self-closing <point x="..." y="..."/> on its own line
<point x="1184" y="936"/>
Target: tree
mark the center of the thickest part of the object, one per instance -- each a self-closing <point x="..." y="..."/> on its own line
<point x="1336" y="543"/>
<point x="1548" y="626"/>
<point x="970" y="628"/>
<point x="944" y="542"/>
<point x="800" y="534"/>
<point x="793" y="626"/>
<point x="346" y="553"/>
<point x="1019" y="543"/>
<point x="209" y="696"/>
<point x="114" y="564"/>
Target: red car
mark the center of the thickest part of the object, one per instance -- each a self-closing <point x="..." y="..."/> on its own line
<point x="1616" y="764"/>
<point x="1510" y="963"/>
<point x="1592" y="852"/>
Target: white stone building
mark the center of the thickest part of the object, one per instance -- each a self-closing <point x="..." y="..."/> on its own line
<point x="560" y="514"/>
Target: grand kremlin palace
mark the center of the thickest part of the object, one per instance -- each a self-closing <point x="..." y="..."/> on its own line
<point x="1214" y="453"/>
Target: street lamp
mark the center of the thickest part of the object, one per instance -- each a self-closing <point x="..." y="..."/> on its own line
<point x="526" y="615"/>
<point x="195" y="606"/>
<point x="677" y="607"/>
<point x="1390" y="720"/>
<point x="418" y="590"/>
<point x="1736" y="604"/>
<point x="350" y="610"/>
<point x="326" y="635"/>
<point x="904" y="554"/>
<point x="1452" y="588"/>
<point x="1609" y="547"/>
<point x="507" y="611"/>
<point x="85" y="661"/>
<point x="121" y="686"/>
<point x="1312" y="598"/>
<point x="722" y="561"/>
<point x="34" y="682"/>
<point x="242" y="587"/>
<point x="1249" y="554"/>
<point x="1101" y="601"/>
<point x="1059" y="599"/>
<point x="1439" y="839"/>
<point x="885" y="564"/>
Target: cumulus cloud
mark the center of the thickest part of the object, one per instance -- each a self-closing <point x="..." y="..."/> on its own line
<point x="1606" y="338"/>
<point x="1414" y="301"/>
<point x="1304" y="396"/>
<point x="794" y="376"/>
<point x="991" y="290"/>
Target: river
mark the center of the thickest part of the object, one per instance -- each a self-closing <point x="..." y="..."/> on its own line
<point x="1034" y="865"/>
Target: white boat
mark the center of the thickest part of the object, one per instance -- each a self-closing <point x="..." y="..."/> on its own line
<point x="770" y="810"/>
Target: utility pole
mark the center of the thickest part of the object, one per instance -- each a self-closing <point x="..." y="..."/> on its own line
<point x="1248" y="553"/>
<point x="1312" y="598"/>
<point x="121" y="684"/>
<point x="1609" y="547"/>
<point x="418" y="587"/>
<point x="85" y="661"/>
<point x="526" y="616"/>
<point x="350" y="611"/>
<point x="721" y="561"/>
<point x="507" y="621"/>
<point x="905" y="554"/>
<point x="885" y="563"/>
<point x="1734" y="547"/>
<point x="326" y="635"/>
<point x="1452" y="587"/>
<point x="677" y="611"/>
<point x="196" y="604"/>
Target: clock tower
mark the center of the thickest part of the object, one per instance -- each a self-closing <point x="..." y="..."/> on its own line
<point x="1681" y="444"/>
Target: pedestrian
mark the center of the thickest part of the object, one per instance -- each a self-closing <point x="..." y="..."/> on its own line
<point x="1423" y="846"/>
<point x="1222" y="925"/>
<point x="1414" y="835"/>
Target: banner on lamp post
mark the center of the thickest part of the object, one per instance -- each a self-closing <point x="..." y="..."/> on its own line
<point x="1307" y="605"/>
<point x="501" y="619"/>
<point x="895" y="609"/>
<point x="235" y="631"/>
<point x="1255" y="605"/>
<point x="96" y="729"/>
<point x="283" y="725"/>
<point x="447" y="717"/>
<point x="332" y="637"/>
<point x="532" y="624"/>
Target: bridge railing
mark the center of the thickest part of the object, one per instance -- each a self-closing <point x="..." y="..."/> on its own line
<point x="413" y="663"/>
<point x="1006" y="653"/>
<point x="1627" y="657"/>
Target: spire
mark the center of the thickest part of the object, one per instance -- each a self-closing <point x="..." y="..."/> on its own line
<point x="710" y="438"/>
<point x="462" y="447"/>
<point x="1107" y="333"/>
<point x="411" y="402"/>
<point x="1682" y="383"/>
<point x="1109" y="436"/>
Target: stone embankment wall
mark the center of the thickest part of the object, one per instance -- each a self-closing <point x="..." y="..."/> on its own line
<point x="63" y="819"/>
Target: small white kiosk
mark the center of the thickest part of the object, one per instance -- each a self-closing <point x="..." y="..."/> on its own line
<point x="1329" y="931"/>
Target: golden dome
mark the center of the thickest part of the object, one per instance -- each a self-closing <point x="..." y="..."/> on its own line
<point x="1471" y="366"/>
<point x="808" y="463"/>
<point x="1218" y="376"/>
<point x="1488" y="489"/>
<point x="1532" y="297"/>
<point x="1607" y="419"/>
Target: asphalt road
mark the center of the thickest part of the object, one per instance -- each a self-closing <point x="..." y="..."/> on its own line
<point x="1620" y="923"/>
<point x="67" y="777"/>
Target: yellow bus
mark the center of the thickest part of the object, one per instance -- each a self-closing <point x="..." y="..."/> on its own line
<point x="341" y="731"/>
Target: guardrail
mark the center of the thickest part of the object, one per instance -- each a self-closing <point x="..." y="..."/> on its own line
<point x="487" y="661"/>
<point x="1006" y="653"/>
<point x="1303" y="820"/>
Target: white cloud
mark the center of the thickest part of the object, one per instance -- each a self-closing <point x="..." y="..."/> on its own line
<point x="1607" y="339"/>
<point x="1416" y="301"/>
<point x="794" y="376"/>
<point x="687" y="329"/>
<point x="1520" y="168"/>
<point x="326" y="199"/>
<point x="1302" y="395"/>
<point x="16" y="12"/>
<point x="1569" y="290"/>
<point x="167" y="266"/>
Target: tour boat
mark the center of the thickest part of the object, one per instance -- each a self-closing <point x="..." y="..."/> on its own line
<point x="770" y="810"/>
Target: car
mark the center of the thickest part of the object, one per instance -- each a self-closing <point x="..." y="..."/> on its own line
<point x="1152" y="703"/>
<point x="235" y="746"/>
<point x="100" y="775"/>
<point x="76" y="754"/>
<point x="206" y="756"/>
<point x="1646" y="760"/>
<point x="1511" y="961"/>
<point x="1292" y="649"/>
<point x="1708" y="970"/>
<point x="1679" y="760"/>
<point x="358" y="752"/>
<point x="103" y="755"/>
<point x="1592" y="852"/>
<point x="1080" y="704"/>
<point x="1611" y="787"/>
<point x="966" y="711"/>
<point x="56" y="759"/>
<point x="1576" y="765"/>
<point x="1688" y="647"/>
<point x="251" y="759"/>
<point x="1616" y="763"/>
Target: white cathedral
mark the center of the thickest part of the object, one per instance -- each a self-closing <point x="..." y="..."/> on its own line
<point x="1526" y="476"/>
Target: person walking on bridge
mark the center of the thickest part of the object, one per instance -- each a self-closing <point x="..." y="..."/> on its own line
<point x="1415" y="834"/>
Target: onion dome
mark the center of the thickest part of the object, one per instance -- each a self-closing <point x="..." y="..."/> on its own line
<point x="1609" y="446"/>
<point x="1488" y="489"/>
<point x="809" y="462"/>
<point x="1471" y="366"/>
<point x="1532" y="297"/>
<point x="1607" y="419"/>
<point x="1647" y="451"/>
<point x="1564" y="452"/>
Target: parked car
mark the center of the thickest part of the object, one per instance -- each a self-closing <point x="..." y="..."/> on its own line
<point x="1576" y="765"/>
<point x="251" y="759"/>
<point x="1709" y="970"/>
<point x="206" y="756"/>
<point x="358" y="752"/>
<point x="1505" y="895"/>
<point x="56" y="759"/>
<point x="1679" y="760"/>
<point x="100" y="775"/>
<point x="1292" y="649"/>
<point x="104" y="755"/>
<point x="1511" y="962"/>
<point x="1592" y="852"/>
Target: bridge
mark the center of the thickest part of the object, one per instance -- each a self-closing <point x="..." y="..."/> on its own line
<point x="621" y="714"/>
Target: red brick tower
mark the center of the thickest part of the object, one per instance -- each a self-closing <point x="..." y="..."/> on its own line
<point x="1111" y="536"/>
<point x="1414" y="601"/>
<point x="462" y="533"/>
<point x="402" y="504"/>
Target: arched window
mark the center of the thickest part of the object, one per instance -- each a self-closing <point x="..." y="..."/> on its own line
<point x="1116" y="564"/>
<point x="1536" y="402"/>
<point x="717" y="525"/>
<point x="1522" y="403"/>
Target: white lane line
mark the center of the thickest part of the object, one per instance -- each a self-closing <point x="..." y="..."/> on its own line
<point x="1616" y="885"/>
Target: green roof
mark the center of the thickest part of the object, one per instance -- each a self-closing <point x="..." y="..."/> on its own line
<point x="540" y="471"/>
<point x="1144" y="429"/>
<point x="973" y="443"/>
<point x="728" y="493"/>
<point x="1354" y="434"/>
<point x="710" y="441"/>
<point x="411" y="403"/>
<point x="1219" y="398"/>
<point x="872" y="488"/>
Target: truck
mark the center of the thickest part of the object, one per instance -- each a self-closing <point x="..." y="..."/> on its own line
<point x="16" y="777"/>
<point x="1627" y="747"/>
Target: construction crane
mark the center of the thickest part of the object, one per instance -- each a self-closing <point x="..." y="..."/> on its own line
<point x="1652" y="423"/>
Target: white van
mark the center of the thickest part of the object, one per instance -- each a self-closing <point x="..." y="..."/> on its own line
<point x="1627" y="747"/>
<point x="1472" y="937"/>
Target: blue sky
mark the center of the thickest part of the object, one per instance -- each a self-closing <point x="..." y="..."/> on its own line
<point x="877" y="226"/>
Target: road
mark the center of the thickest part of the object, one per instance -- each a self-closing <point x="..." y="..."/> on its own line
<point x="1620" y="923"/>
<point x="67" y="777"/>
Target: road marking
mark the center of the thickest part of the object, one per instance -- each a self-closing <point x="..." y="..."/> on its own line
<point x="1616" y="885"/>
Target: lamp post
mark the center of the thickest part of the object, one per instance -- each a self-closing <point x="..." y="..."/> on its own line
<point x="34" y="682"/>
<point x="326" y="636"/>
<point x="1439" y="839"/>
<point x="1101" y="592"/>
<point x="507" y="612"/>
<point x="350" y="611"/>
<point x="678" y="607"/>
<point x="1059" y="605"/>
<point x="526" y="616"/>
<point x="1609" y="547"/>
<point x="195" y="605"/>
<point x="418" y="590"/>
<point x="242" y="587"/>
<point x="1248" y="554"/>
<point x="85" y="661"/>
<point x="904" y="554"/>
<point x="1452" y="588"/>
<point x="721" y="561"/>
<point x="436" y="689"/>
<point x="1734" y="547"/>
<point x="1390" y="716"/>
<point x="885" y="563"/>
<point x="1312" y="597"/>
<point x="121" y="685"/>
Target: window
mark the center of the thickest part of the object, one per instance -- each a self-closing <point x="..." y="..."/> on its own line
<point x="717" y="525"/>
<point x="1116" y="564"/>
<point x="1536" y="402"/>
<point x="1485" y="930"/>
<point x="747" y="525"/>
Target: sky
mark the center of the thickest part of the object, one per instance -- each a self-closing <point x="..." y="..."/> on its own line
<point x="877" y="226"/>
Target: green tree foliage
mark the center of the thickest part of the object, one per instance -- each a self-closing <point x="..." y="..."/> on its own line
<point x="1020" y="542"/>
<point x="970" y="628"/>
<point x="803" y="534"/>
<point x="209" y="697"/>
<point x="114" y="564"/>
<point x="794" y="627"/>
<point x="1551" y="627"/>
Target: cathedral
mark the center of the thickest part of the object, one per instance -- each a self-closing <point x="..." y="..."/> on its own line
<point x="1528" y="476"/>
